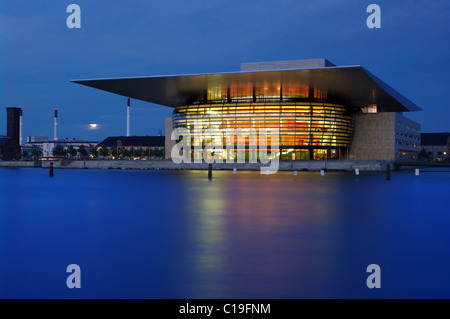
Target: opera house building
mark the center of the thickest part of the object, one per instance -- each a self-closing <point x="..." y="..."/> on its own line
<point x="322" y="111"/>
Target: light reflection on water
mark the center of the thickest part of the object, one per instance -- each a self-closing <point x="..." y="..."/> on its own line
<point x="176" y="234"/>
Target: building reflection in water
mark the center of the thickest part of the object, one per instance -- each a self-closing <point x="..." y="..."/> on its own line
<point x="254" y="236"/>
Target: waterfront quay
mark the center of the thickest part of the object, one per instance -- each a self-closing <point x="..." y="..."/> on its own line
<point x="375" y="166"/>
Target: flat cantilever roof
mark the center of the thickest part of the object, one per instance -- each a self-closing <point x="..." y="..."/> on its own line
<point x="354" y="84"/>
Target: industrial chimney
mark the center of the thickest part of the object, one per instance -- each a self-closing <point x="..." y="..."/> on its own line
<point x="128" y="117"/>
<point x="55" y="132"/>
<point x="21" y="124"/>
<point x="13" y="123"/>
<point x="11" y="150"/>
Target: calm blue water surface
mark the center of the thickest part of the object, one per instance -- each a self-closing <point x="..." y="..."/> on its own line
<point x="176" y="234"/>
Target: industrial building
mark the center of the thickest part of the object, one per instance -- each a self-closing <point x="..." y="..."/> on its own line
<point x="149" y="145"/>
<point x="45" y="146"/>
<point x="437" y="145"/>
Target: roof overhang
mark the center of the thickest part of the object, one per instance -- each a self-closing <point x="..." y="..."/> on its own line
<point x="354" y="84"/>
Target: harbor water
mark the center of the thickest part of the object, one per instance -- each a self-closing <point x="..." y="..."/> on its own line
<point x="179" y="234"/>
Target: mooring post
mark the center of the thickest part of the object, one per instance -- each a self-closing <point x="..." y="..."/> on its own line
<point x="210" y="171"/>
<point x="51" y="169"/>
<point x="388" y="172"/>
<point x="417" y="172"/>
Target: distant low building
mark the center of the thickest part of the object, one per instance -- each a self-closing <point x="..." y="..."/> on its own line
<point x="133" y="142"/>
<point x="437" y="145"/>
<point x="132" y="146"/>
<point x="37" y="139"/>
<point x="45" y="147"/>
<point x="407" y="138"/>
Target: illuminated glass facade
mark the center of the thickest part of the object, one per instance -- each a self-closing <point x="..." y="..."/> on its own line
<point x="308" y="129"/>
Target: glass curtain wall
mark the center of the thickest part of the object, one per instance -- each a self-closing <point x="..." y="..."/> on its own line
<point x="308" y="130"/>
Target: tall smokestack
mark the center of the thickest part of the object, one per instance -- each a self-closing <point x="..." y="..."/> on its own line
<point x="128" y="117"/>
<point x="13" y="123"/>
<point x="13" y="150"/>
<point x="55" y="132"/>
<point x="21" y="124"/>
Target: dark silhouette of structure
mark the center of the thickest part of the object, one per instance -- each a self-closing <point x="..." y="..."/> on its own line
<point x="133" y="141"/>
<point x="10" y="144"/>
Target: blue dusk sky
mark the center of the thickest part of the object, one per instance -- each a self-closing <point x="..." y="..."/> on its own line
<point x="39" y="54"/>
